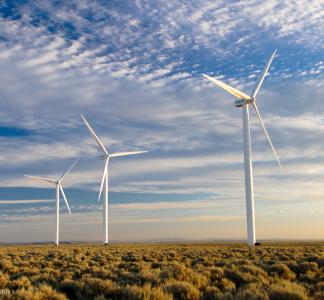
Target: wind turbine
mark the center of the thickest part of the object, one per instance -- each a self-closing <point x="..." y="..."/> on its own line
<point x="104" y="182"/>
<point x="59" y="189"/>
<point x="243" y="100"/>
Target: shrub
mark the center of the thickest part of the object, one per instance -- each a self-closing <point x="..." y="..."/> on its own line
<point x="4" y="279"/>
<point x="226" y="285"/>
<point x="71" y="288"/>
<point x="212" y="293"/>
<point x="308" y="277"/>
<point x="216" y="273"/>
<point x="156" y="265"/>
<point x="146" y="275"/>
<point x="182" y="273"/>
<point x="319" y="291"/>
<point x="238" y="277"/>
<point x="40" y="293"/>
<point x="254" y="270"/>
<point x="22" y="282"/>
<point x="305" y="267"/>
<point x="174" y="271"/>
<point x="252" y="291"/>
<point x="5" y="264"/>
<point x="286" y="290"/>
<point x="96" y="287"/>
<point x="181" y="290"/>
<point x="282" y="271"/>
<point x="145" y="293"/>
<point x="6" y="294"/>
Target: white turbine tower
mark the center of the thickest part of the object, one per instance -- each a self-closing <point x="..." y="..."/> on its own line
<point x="59" y="189"/>
<point x="104" y="181"/>
<point x="243" y="100"/>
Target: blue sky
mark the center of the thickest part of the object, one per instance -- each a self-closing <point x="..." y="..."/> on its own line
<point x="134" y="69"/>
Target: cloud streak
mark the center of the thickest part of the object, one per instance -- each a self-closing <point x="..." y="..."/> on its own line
<point x="135" y="71"/>
<point x="25" y="201"/>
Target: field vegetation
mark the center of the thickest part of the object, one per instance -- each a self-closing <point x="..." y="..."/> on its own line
<point x="162" y="272"/>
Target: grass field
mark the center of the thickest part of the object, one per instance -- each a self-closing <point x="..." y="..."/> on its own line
<point x="162" y="271"/>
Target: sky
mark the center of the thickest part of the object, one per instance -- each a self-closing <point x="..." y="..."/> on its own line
<point x="134" y="69"/>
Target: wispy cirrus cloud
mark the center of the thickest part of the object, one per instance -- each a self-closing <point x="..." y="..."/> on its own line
<point x="134" y="70"/>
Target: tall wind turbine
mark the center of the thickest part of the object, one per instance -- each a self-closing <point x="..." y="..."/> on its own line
<point x="104" y="182"/>
<point x="59" y="189"/>
<point x="244" y="101"/>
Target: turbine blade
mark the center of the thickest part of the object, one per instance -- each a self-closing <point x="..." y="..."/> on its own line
<point x="126" y="153"/>
<point x="229" y="89"/>
<point x="100" y="144"/>
<point x="63" y="194"/>
<point x="266" y="133"/>
<point x="103" y="178"/>
<point x="68" y="171"/>
<point x="263" y="74"/>
<point x="40" y="178"/>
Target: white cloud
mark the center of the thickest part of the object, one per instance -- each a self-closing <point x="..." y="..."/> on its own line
<point x="24" y="201"/>
<point x="140" y="89"/>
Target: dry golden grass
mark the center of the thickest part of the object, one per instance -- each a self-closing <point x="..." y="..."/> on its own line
<point x="162" y="272"/>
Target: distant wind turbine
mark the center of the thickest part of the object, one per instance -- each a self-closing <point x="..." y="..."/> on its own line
<point x="243" y="100"/>
<point x="59" y="189"/>
<point x="104" y="181"/>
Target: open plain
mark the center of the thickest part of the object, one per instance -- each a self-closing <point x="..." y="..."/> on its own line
<point x="163" y="271"/>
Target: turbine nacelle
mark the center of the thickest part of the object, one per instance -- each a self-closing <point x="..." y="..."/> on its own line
<point x="57" y="183"/>
<point x="104" y="157"/>
<point x="241" y="102"/>
<point x="243" y="98"/>
<point x="105" y="153"/>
